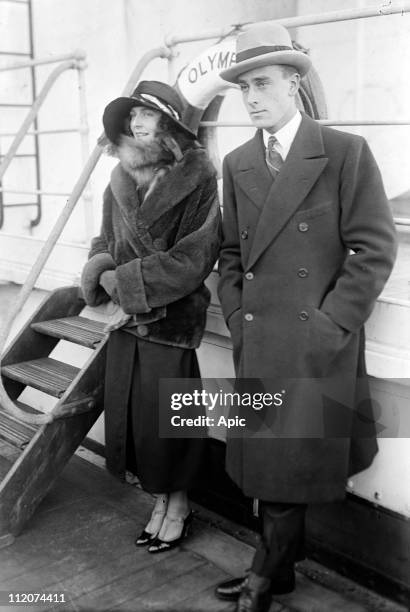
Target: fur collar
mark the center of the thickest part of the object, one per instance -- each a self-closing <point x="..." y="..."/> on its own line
<point x="166" y="191"/>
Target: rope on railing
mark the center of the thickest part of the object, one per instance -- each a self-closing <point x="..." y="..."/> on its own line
<point x="5" y="402"/>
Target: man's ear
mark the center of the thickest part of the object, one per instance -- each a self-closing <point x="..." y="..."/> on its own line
<point x="294" y="82"/>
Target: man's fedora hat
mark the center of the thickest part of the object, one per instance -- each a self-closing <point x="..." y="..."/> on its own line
<point x="152" y="94"/>
<point x="263" y="45"/>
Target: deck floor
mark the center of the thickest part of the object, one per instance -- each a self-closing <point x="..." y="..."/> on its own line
<point x="80" y="543"/>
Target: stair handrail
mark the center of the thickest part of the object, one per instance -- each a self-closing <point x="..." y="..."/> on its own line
<point x="78" y="55"/>
<point x="34" y="110"/>
<point x="5" y="402"/>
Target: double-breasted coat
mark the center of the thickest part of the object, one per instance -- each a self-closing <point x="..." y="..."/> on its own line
<point x="303" y="260"/>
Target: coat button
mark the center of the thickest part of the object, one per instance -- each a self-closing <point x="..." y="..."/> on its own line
<point x="303" y="315"/>
<point x="249" y="276"/>
<point x="303" y="227"/>
<point x="303" y="273"/>
<point x="159" y="244"/>
<point x="142" y="330"/>
<point x="249" y="316"/>
<point x="244" y="234"/>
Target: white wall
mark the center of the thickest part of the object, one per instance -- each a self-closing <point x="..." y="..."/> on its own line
<point x="114" y="35"/>
<point x="360" y="62"/>
<point x="363" y="66"/>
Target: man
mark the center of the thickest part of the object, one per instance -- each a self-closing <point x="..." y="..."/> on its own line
<point x="309" y="243"/>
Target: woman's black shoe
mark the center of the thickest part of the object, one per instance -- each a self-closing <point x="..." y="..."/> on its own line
<point x="158" y="545"/>
<point x="145" y="538"/>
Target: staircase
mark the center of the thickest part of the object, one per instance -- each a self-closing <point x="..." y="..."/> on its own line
<point x="32" y="456"/>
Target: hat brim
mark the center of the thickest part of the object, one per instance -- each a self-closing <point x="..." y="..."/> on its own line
<point x="118" y="110"/>
<point x="299" y="60"/>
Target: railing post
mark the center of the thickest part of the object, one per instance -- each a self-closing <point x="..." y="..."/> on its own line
<point x="85" y="151"/>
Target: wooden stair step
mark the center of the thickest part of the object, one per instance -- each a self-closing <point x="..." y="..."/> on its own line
<point x="46" y="374"/>
<point x="28" y="409"/>
<point x="79" y="330"/>
<point x="6" y="458"/>
<point x="14" y="431"/>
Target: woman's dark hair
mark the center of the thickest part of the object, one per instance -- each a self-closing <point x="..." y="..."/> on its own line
<point x="169" y="127"/>
<point x="174" y="140"/>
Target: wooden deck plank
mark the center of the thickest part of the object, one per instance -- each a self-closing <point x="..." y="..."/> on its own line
<point x="124" y="568"/>
<point x="106" y="569"/>
<point x="207" y="602"/>
<point x="85" y="550"/>
<point x="190" y="584"/>
<point x="229" y="554"/>
<point x="46" y="539"/>
<point x="134" y="584"/>
<point x="100" y="483"/>
<point x="311" y="597"/>
<point x="81" y="542"/>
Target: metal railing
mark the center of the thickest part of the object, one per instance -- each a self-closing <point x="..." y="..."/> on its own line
<point x="5" y="402"/>
<point x="168" y="53"/>
<point x="75" y="60"/>
<point x="381" y="10"/>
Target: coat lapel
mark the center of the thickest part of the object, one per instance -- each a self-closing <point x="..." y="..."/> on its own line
<point x="177" y="184"/>
<point x="253" y="176"/>
<point x="304" y="164"/>
<point x="167" y="192"/>
<point x="125" y="194"/>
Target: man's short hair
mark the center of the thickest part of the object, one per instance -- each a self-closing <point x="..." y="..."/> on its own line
<point x="287" y="71"/>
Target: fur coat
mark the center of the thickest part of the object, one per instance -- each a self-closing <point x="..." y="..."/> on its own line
<point x="161" y="248"/>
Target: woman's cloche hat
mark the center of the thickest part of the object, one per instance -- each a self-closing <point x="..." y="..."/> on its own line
<point x="263" y="45"/>
<point x="152" y="94"/>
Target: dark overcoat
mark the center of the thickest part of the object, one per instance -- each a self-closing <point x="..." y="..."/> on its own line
<point x="303" y="260"/>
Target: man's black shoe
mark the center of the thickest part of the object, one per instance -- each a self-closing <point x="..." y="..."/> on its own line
<point x="230" y="590"/>
<point x="256" y="594"/>
<point x="252" y="600"/>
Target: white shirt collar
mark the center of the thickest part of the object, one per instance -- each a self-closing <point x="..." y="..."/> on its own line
<point x="285" y="136"/>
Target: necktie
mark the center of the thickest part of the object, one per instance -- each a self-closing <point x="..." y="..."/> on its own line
<point x="273" y="157"/>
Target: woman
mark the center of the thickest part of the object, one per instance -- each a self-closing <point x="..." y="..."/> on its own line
<point x="159" y="240"/>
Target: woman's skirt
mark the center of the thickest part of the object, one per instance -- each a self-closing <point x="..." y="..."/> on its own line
<point x="134" y="368"/>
